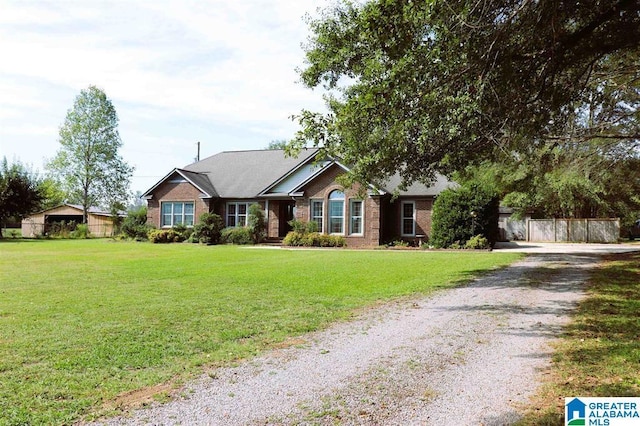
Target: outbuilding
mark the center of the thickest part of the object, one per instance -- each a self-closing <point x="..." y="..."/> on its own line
<point x="100" y="222"/>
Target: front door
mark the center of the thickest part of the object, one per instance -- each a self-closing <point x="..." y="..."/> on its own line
<point x="285" y="215"/>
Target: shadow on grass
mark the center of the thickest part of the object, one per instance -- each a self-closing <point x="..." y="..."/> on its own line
<point x="10" y="240"/>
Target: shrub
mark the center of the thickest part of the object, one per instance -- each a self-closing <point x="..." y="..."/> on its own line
<point x="163" y="236"/>
<point x="313" y="239"/>
<point x="81" y="231"/>
<point x="256" y="223"/>
<point x="477" y="242"/>
<point x="135" y="224"/>
<point x="240" y="235"/>
<point x="208" y="230"/>
<point x="294" y="238"/>
<point x="461" y="213"/>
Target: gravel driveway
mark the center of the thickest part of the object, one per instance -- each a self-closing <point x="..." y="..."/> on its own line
<point x="469" y="356"/>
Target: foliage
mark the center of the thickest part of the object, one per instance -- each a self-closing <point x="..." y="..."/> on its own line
<point x="305" y="234"/>
<point x="88" y="163"/>
<point x="20" y="193"/>
<point x="256" y="223"/>
<point x="278" y="144"/>
<point x="461" y="213"/>
<point x="81" y="231"/>
<point x="164" y="236"/>
<point x="52" y="193"/>
<point x="135" y="224"/>
<point x="240" y="235"/>
<point x="477" y="242"/>
<point x="313" y="239"/>
<point x="303" y="227"/>
<point x="420" y="87"/>
<point x="209" y="229"/>
<point x="60" y="229"/>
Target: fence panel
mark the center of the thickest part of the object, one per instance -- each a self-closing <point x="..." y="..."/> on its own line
<point x="573" y="230"/>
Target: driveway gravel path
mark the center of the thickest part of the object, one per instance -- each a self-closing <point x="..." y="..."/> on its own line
<point x="470" y="356"/>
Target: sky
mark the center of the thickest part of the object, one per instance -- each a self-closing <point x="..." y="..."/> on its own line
<point x="218" y="72"/>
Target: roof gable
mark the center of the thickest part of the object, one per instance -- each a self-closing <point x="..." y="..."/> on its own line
<point x="200" y="181"/>
<point x="246" y="174"/>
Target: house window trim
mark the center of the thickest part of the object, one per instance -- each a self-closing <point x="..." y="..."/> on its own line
<point x="403" y="217"/>
<point x="329" y="217"/>
<point x="351" y="217"/>
<point x="312" y="217"/>
<point x="184" y="203"/>
<point x="236" y="215"/>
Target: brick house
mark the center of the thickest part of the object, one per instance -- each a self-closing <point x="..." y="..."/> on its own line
<point x="304" y="188"/>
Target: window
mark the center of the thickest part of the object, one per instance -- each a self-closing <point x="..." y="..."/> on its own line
<point x="336" y="212"/>
<point x="177" y="213"/>
<point x="237" y="214"/>
<point x="317" y="213"/>
<point x="408" y="218"/>
<point x="355" y="212"/>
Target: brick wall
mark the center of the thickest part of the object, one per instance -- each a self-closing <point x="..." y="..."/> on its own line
<point x="175" y="192"/>
<point x="321" y="187"/>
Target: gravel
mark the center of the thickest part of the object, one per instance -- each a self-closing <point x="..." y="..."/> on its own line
<point x="471" y="356"/>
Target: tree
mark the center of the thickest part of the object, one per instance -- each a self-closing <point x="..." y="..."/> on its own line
<point x="88" y="163"/>
<point x="20" y="193"/>
<point x="52" y="193"/>
<point x="278" y="144"/>
<point x="425" y="87"/>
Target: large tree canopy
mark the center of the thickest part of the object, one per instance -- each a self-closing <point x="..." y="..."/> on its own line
<point x="419" y="87"/>
<point x="88" y="163"/>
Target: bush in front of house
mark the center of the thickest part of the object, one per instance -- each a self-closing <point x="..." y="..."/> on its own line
<point x="208" y="230"/>
<point x="256" y="223"/>
<point x="240" y="235"/>
<point x="164" y="236"/>
<point x="460" y="214"/>
<point x="305" y="235"/>
<point x="135" y="225"/>
<point x="478" y="242"/>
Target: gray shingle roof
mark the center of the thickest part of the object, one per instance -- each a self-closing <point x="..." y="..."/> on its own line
<point x="418" y="189"/>
<point x="244" y="174"/>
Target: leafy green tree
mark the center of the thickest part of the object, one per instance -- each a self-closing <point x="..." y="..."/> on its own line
<point x="52" y="193"/>
<point x="88" y="162"/>
<point x="278" y="144"/>
<point x="419" y="87"/>
<point x="20" y="193"/>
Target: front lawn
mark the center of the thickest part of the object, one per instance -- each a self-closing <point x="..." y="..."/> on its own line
<point x="85" y="321"/>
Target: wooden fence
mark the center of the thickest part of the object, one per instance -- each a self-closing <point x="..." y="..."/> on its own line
<point x="573" y="230"/>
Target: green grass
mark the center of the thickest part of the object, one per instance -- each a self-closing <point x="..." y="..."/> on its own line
<point x="84" y="321"/>
<point x="599" y="354"/>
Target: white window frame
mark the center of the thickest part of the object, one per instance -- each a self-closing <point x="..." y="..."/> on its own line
<point x="329" y="215"/>
<point x="183" y="215"/>
<point x="237" y="215"/>
<point x="318" y="219"/>
<point x="403" y="218"/>
<point x="352" y="216"/>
